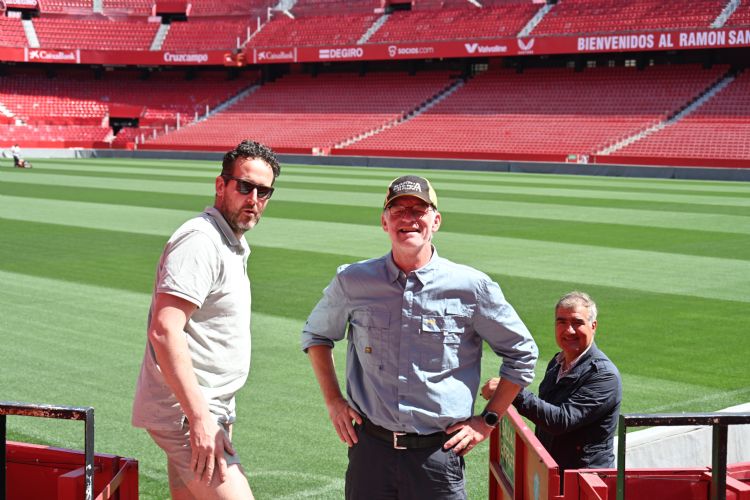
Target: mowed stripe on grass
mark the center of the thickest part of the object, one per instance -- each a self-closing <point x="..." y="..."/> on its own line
<point x="145" y="191"/>
<point x="709" y="277"/>
<point x="81" y="239"/>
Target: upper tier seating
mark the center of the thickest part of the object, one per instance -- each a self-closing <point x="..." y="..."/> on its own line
<point x="97" y="33"/>
<point x="303" y="8"/>
<point x="548" y="111"/>
<point x="607" y="16"/>
<point x="77" y="6"/>
<point x="208" y="34"/>
<point x="130" y="7"/>
<point x="300" y="111"/>
<point x="317" y="30"/>
<point x="11" y="32"/>
<point x="143" y="7"/>
<point x="740" y="17"/>
<point x="224" y="25"/>
<point x="427" y="25"/>
<point x="250" y="8"/>
<point x="718" y="129"/>
<point x="462" y="4"/>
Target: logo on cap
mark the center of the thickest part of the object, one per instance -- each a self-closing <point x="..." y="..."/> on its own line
<point x="411" y="185"/>
<point x="406" y="186"/>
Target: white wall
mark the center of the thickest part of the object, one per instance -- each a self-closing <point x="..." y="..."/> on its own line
<point x="685" y="446"/>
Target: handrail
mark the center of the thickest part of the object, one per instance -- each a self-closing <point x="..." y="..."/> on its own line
<point x="57" y="412"/>
<point x="718" y="421"/>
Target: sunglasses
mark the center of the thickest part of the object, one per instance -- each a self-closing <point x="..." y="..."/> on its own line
<point x="246" y="187"/>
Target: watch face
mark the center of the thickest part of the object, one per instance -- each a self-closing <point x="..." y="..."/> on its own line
<point x="490" y="418"/>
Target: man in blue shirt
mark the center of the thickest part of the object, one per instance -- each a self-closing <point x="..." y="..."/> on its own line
<point x="415" y="325"/>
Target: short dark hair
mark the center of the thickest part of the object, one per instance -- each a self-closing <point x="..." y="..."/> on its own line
<point x="248" y="149"/>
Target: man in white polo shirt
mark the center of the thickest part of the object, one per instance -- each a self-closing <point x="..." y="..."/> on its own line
<point x="198" y="351"/>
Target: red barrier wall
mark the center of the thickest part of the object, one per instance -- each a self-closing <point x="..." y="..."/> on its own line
<point x="521" y="469"/>
<point x="35" y="471"/>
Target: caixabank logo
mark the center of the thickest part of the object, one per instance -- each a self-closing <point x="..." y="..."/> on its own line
<point x="276" y="55"/>
<point x="52" y="55"/>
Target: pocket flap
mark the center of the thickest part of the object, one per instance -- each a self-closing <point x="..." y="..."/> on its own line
<point x="439" y="324"/>
<point x="371" y="318"/>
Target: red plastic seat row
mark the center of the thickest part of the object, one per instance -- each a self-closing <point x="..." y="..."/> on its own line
<point x="490" y="22"/>
<point x="302" y="111"/>
<point x="11" y="33"/>
<point x="602" y="16"/>
<point x="218" y="33"/>
<point x="101" y="34"/>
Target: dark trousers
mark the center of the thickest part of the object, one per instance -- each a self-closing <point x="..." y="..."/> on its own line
<point x="377" y="471"/>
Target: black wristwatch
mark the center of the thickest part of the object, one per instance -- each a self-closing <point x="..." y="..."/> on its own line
<point x="491" y="419"/>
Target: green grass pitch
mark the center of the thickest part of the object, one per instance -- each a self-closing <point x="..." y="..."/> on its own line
<point x="668" y="262"/>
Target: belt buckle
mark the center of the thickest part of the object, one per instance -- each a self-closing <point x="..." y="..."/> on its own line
<point x="395" y="440"/>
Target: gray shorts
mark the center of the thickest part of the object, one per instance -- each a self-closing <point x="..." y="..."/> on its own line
<point x="176" y="444"/>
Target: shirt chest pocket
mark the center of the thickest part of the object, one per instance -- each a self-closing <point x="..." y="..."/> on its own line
<point x="440" y="340"/>
<point x="367" y="329"/>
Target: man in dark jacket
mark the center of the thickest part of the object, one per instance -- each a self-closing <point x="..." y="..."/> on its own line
<point x="579" y="399"/>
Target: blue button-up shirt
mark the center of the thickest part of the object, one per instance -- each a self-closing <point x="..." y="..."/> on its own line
<point x="414" y="350"/>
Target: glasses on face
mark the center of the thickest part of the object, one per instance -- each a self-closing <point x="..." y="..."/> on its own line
<point x="418" y="211"/>
<point x="246" y="187"/>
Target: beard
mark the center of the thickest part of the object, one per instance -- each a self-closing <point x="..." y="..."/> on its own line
<point x="239" y="220"/>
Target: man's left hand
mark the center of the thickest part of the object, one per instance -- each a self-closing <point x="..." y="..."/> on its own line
<point x="469" y="433"/>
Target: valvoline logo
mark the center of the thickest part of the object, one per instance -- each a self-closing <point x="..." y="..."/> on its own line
<point x="526" y="46"/>
<point x="473" y="48"/>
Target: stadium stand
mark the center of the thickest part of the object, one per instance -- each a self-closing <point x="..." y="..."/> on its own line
<point x="283" y="31"/>
<point x="548" y="111"/>
<point x="719" y="129"/>
<point x="250" y="8"/>
<point x="740" y="17"/>
<point x="208" y="34"/>
<point x="73" y="99"/>
<point x="99" y="33"/>
<point x="301" y="111"/>
<point x="66" y="6"/>
<point x="36" y="99"/>
<point x="429" y="25"/>
<point x="606" y="16"/>
<point x="11" y="32"/>
<point x="544" y="112"/>
<point x="303" y="8"/>
<point x="129" y="7"/>
<point x="62" y="134"/>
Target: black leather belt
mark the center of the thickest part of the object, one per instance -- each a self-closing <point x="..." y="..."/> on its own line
<point x="405" y="440"/>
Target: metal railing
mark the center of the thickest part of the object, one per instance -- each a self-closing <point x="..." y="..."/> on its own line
<point x="718" y="421"/>
<point x="50" y="411"/>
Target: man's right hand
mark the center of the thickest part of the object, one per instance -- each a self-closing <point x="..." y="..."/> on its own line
<point x="208" y="442"/>
<point x="342" y="415"/>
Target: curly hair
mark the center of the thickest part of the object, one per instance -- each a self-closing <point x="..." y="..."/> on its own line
<point x="248" y="149"/>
